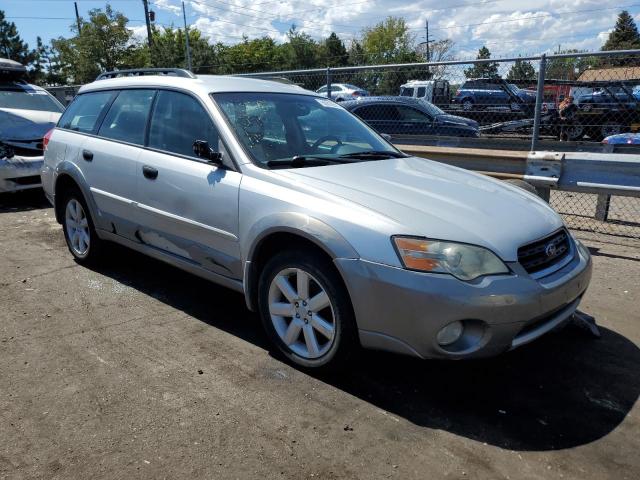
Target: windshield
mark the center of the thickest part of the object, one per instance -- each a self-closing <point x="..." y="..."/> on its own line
<point x="29" y="100"/>
<point x="275" y="127"/>
<point x="431" y="108"/>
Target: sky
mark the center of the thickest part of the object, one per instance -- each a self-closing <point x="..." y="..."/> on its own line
<point x="506" y="27"/>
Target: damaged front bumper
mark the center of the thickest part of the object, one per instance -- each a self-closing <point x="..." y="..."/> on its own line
<point x="20" y="173"/>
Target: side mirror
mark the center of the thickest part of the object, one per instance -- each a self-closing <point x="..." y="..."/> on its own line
<point x="202" y="149"/>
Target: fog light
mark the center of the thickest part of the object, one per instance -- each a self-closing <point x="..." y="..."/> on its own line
<point x="450" y="334"/>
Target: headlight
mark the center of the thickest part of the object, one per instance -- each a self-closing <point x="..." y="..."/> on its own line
<point x="465" y="262"/>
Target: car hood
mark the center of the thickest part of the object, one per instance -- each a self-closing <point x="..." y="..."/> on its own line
<point x="25" y="125"/>
<point x="456" y="120"/>
<point x="425" y="198"/>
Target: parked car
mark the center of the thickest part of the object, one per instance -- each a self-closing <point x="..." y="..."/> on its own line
<point x="331" y="233"/>
<point x="343" y="91"/>
<point x="610" y="98"/>
<point x="484" y="93"/>
<point x="27" y="112"/>
<point x="410" y="116"/>
<point x="622" y="139"/>
<point x="432" y="91"/>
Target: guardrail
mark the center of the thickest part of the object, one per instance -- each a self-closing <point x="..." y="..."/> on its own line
<point x="594" y="191"/>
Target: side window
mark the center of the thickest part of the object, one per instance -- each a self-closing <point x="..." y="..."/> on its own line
<point x="127" y="117"/>
<point x="84" y="111"/>
<point x="407" y="92"/>
<point x="368" y="112"/>
<point x="421" y="92"/>
<point x="323" y="89"/>
<point x="178" y="120"/>
<point x="408" y="114"/>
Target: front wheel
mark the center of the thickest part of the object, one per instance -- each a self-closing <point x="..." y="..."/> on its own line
<point x="79" y="231"/>
<point x="306" y="310"/>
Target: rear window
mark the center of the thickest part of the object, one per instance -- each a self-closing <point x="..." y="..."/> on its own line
<point x="29" y="100"/>
<point x="84" y="111"/>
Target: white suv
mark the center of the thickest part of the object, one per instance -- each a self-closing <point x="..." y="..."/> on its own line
<point x="336" y="237"/>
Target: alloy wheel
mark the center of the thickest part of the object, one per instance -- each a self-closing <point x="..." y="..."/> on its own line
<point x="301" y="313"/>
<point x="77" y="225"/>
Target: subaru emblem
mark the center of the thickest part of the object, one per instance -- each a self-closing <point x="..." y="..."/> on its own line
<point x="550" y="250"/>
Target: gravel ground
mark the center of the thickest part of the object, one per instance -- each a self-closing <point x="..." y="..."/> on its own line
<point x="137" y="370"/>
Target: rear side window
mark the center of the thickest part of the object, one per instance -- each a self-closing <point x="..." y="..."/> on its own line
<point x="178" y="120"/>
<point x="379" y="112"/>
<point x="84" y="111"/>
<point x="127" y="117"/>
<point x="421" y="92"/>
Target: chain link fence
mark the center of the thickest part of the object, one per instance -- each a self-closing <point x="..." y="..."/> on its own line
<point x="567" y="102"/>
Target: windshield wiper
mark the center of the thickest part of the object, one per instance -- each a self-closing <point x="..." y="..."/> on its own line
<point x="373" y="154"/>
<point x="304" y="161"/>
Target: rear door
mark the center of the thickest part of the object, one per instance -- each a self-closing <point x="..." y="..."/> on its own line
<point x="109" y="159"/>
<point x="188" y="206"/>
<point x="382" y="117"/>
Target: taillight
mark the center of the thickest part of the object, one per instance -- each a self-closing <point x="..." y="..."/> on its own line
<point x="46" y="138"/>
<point x="606" y="140"/>
<point x="355" y="94"/>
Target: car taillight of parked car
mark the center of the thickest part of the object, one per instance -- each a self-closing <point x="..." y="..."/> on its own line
<point x="46" y="138"/>
<point x="356" y="94"/>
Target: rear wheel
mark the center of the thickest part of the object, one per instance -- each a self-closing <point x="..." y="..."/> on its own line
<point x="79" y="231"/>
<point x="306" y="310"/>
<point x="467" y="104"/>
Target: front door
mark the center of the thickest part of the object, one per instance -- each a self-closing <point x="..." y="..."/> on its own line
<point x="188" y="206"/>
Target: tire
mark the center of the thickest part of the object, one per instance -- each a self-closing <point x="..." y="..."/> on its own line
<point x="523" y="185"/>
<point x="609" y="128"/>
<point x="79" y="230"/>
<point x="467" y="104"/>
<point x="574" y="132"/>
<point x="515" y="107"/>
<point x="292" y="334"/>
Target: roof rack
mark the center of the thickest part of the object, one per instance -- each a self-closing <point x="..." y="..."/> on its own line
<point x="135" y="72"/>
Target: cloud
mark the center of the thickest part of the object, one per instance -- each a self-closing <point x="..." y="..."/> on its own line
<point x="506" y="27"/>
<point x="167" y="5"/>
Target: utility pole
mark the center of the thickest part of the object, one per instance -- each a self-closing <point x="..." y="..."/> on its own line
<point x="426" y="26"/>
<point x="75" y="4"/>
<point x="148" y="20"/>
<point x="186" y="36"/>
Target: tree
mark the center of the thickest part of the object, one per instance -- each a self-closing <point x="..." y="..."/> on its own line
<point x="440" y="51"/>
<point x="11" y="45"/>
<point x="569" y="68"/>
<point x="169" y="49"/>
<point x="625" y="35"/>
<point x="300" y="51"/>
<point x="104" y="43"/>
<point x="389" y="42"/>
<point x="255" y="55"/>
<point x="522" y="70"/>
<point x="332" y="52"/>
<point x="485" y="69"/>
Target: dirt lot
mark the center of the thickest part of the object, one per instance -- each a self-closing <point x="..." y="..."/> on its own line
<point x="137" y="370"/>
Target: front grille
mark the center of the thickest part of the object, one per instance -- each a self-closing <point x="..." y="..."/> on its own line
<point x="544" y="253"/>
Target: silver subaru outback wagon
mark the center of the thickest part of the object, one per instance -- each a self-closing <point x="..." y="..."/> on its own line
<point x="337" y="238"/>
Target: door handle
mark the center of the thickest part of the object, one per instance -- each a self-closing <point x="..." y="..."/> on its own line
<point x="87" y="155"/>
<point x="149" y="172"/>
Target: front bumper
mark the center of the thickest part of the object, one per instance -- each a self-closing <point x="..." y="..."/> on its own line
<point x="20" y="173"/>
<point x="402" y="311"/>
